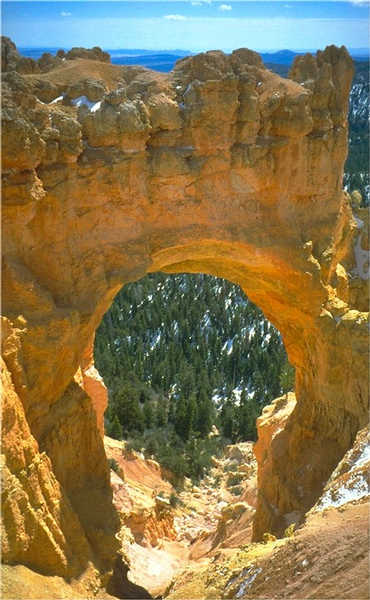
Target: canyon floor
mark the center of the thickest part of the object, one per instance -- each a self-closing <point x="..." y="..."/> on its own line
<point x="206" y="549"/>
<point x="165" y="539"/>
<point x="201" y="547"/>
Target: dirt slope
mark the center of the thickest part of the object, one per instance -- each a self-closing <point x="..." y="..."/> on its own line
<point x="326" y="558"/>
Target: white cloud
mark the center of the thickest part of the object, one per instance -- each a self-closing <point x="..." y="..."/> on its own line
<point x="359" y="2"/>
<point x="175" y="17"/>
<point x="225" y="7"/>
<point x="65" y="14"/>
<point x="196" y="3"/>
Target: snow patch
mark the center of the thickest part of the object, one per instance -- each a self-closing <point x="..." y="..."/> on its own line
<point x="83" y="100"/>
<point x="359" y="222"/>
<point x="356" y="487"/>
<point x="96" y="106"/>
<point x="58" y="99"/>
<point x="155" y="341"/>
<point x="217" y="398"/>
<point x="188" y="88"/>
<point x="363" y="458"/>
<point x="228" y="347"/>
<point x="237" y="392"/>
<point x="251" y="332"/>
<point x="206" y="320"/>
<point x="252" y="573"/>
<point x="362" y="260"/>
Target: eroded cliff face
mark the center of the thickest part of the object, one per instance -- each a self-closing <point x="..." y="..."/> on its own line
<point x="220" y="167"/>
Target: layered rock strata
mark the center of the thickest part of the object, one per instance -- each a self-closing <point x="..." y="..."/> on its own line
<point x="219" y="167"/>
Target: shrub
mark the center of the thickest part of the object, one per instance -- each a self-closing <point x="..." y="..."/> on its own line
<point x="113" y="464"/>
<point x="174" y="500"/>
<point x="236" y="490"/>
<point x="151" y="447"/>
<point x="231" y="465"/>
<point x="268" y="537"/>
<point x="289" y="531"/>
<point x="234" y="479"/>
<point x="134" y="444"/>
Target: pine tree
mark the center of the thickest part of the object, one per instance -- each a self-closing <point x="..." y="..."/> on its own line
<point x="184" y="419"/>
<point x="148" y="414"/>
<point x="287" y="377"/>
<point x="125" y="403"/>
<point x="205" y="413"/>
<point x="246" y="421"/>
<point x="227" y="420"/>
<point x="161" y="413"/>
<point x="114" y="429"/>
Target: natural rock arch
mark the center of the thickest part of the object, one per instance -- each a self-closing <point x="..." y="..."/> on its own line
<point x="221" y="167"/>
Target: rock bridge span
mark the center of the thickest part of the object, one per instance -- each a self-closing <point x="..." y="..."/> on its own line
<point x="221" y="167"/>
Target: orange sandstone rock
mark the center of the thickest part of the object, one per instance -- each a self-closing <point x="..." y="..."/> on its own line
<point x="39" y="525"/>
<point x="219" y="167"/>
<point x="93" y="385"/>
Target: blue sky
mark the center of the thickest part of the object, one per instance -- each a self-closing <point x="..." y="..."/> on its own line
<point x="192" y="25"/>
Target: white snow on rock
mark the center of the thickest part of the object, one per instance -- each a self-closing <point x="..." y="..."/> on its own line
<point x="350" y="480"/>
<point x="355" y="487"/>
<point x="247" y="583"/>
<point x="362" y="260"/>
<point x="363" y="458"/>
<point x="359" y="222"/>
<point x="58" y="99"/>
<point x="244" y="580"/>
<point x="155" y="340"/>
<point x="92" y="106"/>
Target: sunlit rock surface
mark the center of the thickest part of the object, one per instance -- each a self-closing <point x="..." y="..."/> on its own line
<point x="219" y="167"/>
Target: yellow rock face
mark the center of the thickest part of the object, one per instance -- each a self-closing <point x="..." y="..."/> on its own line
<point x="220" y="167"/>
<point x="94" y="386"/>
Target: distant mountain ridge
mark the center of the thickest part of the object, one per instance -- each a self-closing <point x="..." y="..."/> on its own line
<point x="158" y="62"/>
<point x="164" y="60"/>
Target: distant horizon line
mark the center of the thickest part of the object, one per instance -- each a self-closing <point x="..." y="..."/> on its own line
<point x="363" y="49"/>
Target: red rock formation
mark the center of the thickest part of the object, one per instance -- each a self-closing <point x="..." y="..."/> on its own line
<point x="135" y="493"/>
<point x="220" y="167"/>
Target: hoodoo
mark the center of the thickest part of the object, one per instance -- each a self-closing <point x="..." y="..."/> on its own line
<point x="219" y="167"/>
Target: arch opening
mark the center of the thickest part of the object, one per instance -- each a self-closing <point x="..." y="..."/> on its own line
<point x="183" y="355"/>
<point x="189" y="363"/>
<point x="290" y="298"/>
